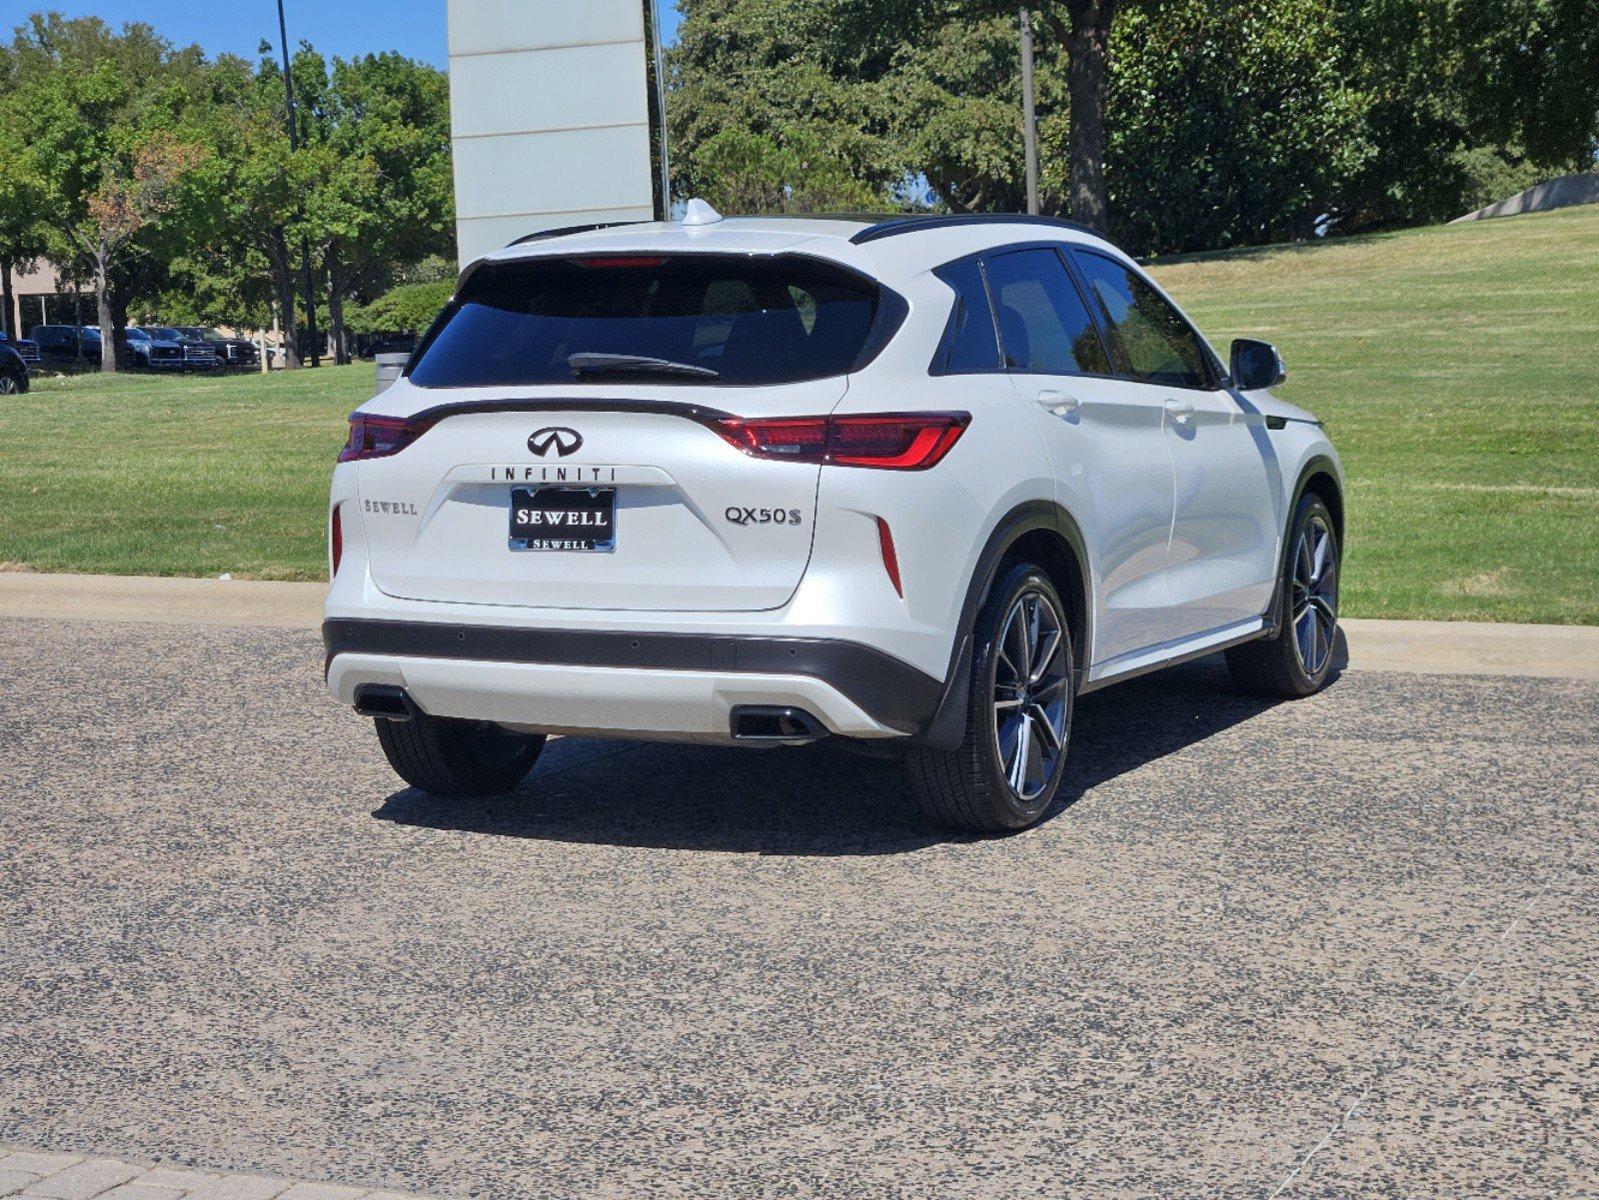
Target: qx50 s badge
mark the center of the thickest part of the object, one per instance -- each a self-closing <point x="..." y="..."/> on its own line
<point x="740" y="515"/>
<point x="559" y="438"/>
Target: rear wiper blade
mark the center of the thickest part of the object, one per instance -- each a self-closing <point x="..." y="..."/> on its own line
<point x="593" y="363"/>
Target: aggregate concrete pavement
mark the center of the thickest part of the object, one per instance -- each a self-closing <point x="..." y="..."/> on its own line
<point x="1343" y="947"/>
<point x="1428" y="647"/>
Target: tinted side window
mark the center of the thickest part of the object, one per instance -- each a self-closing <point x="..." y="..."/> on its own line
<point x="1043" y="324"/>
<point x="969" y="342"/>
<point x="1149" y="337"/>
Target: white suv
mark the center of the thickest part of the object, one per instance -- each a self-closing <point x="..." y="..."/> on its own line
<point x="911" y="485"/>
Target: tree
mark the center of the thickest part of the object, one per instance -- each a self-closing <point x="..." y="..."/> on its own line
<point x="1234" y="125"/>
<point x="100" y="159"/>
<point x="22" y="235"/>
<point x="389" y="200"/>
<point x="1084" y="31"/>
<point x="258" y="188"/>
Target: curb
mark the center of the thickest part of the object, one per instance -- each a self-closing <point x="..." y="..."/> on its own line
<point x="1424" y="647"/>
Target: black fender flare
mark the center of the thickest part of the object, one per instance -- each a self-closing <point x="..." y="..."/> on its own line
<point x="1317" y="464"/>
<point x="948" y="726"/>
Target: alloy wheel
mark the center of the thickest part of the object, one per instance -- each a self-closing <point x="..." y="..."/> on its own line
<point x="1314" y="595"/>
<point x="1030" y="696"/>
<point x="8" y="386"/>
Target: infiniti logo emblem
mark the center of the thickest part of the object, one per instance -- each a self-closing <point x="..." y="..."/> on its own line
<point x="562" y="440"/>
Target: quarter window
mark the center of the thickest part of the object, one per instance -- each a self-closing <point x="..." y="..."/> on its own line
<point x="1044" y="326"/>
<point x="969" y="342"/>
<point x="1150" y="338"/>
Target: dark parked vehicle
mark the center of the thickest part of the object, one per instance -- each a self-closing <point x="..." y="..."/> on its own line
<point x="230" y="351"/>
<point x="198" y="354"/>
<point x="13" y="370"/>
<point x="67" y="344"/>
<point x="26" y="350"/>
<point x="153" y="353"/>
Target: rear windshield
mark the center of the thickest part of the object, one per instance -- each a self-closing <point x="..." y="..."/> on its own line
<point x="705" y="319"/>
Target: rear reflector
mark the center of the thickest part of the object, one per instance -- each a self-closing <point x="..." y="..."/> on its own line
<point x="379" y="437"/>
<point x="335" y="540"/>
<point x="885" y="541"/>
<point x="887" y="441"/>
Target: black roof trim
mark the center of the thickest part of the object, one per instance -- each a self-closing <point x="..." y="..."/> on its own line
<point x="894" y="226"/>
<point x="543" y="234"/>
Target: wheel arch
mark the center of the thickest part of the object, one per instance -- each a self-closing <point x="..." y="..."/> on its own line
<point x="1041" y="531"/>
<point x="1320" y="477"/>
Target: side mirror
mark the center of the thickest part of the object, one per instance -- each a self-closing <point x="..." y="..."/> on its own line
<point x="1256" y="365"/>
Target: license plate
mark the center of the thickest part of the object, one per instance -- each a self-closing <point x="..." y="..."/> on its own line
<point x="563" y="518"/>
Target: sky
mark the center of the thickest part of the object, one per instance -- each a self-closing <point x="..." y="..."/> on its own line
<point x="335" y="27"/>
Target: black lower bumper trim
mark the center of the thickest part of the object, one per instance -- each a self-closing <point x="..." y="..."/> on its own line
<point x="888" y="689"/>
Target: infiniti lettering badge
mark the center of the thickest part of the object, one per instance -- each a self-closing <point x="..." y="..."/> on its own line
<point x="562" y="440"/>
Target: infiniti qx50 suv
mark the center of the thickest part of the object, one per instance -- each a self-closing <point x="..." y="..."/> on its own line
<point x="912" y="485"/>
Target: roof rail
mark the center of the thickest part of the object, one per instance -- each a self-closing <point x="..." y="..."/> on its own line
<point x="909" y="223"/>
<point x="542" y="234"/>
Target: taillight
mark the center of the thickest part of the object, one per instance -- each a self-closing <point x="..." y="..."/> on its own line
<point x="336" y="539"/>
<point x="378" y="437"/>
<point x="895" y="443"/>
<point x="799" y="439"/>
<point x="887" y="441"/>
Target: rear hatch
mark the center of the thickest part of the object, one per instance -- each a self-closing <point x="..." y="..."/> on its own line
<point x="567" y="444"/>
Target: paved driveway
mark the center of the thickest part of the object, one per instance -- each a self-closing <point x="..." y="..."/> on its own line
<point x="1365" y="925"/>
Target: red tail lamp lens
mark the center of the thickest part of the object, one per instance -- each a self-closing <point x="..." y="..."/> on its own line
<point x="799" y="439"/>
<point x="885" y="541"/>
<point x="887" y="441"/>
<point x="895" y="443"/>
<point x="336" y="538"/>
<point x="379" y="437"/>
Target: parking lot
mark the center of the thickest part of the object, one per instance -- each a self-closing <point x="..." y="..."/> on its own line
<point x="1343" y="947"/>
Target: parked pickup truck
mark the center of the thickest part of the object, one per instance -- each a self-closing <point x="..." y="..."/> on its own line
<point x="230" y="351"/>
<point x="198" y="354"/>
<point x="26" y="350"/>
<point x="63" y="344"/>
<point x="153" y="353"/>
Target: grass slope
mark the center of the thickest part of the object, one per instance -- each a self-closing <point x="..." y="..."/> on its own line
<point x="1457" y="369"/>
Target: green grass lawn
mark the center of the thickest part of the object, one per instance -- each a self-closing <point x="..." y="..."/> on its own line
<point x="1457" y="369"/>
<point x="196" y="475"/>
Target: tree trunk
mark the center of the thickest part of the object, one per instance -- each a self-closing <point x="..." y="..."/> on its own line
<point x="283" y="275"/>
<point x="8" y="319"/>
<point x="102" y="307"/>
<point x="336" y="286"/>
<point x="1088" y="83"/>
<point x="119" y="322"/>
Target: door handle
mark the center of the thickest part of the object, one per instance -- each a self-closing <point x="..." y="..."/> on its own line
<point x="1180" y="410"/>
<point x="1059" y="403"/>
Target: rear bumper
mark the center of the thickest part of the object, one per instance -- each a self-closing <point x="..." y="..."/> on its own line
<point x="628" y="684"/>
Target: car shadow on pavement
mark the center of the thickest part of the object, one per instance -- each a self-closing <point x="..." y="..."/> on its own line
<point x="813" y="800"/>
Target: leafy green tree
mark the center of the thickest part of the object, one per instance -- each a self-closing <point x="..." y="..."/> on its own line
<point x="1233" y="124"/>
<point x="389" y="200"/>
<point x="259" y="190"/>
<point x="102" y="160"/>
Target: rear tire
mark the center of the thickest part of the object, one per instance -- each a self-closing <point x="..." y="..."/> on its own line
<point x="1008" y="768"/>
<point x="458" y="758"/>
<point x="1297" y="660"/>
